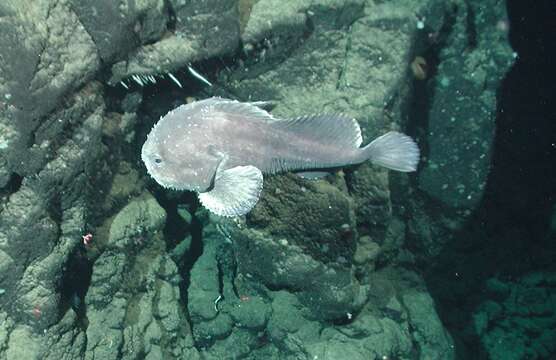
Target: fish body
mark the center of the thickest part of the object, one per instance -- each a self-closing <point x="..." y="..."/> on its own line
<point x="220" y="149"/>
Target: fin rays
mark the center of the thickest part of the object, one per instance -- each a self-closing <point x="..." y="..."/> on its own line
<point x="339" y="129"/>
<point x="245" y="110"/>
<point x="236" y="191"/>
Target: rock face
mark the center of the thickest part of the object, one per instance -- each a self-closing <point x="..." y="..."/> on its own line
<point x="44" y="217"/>
<point x="271" y="302"/>
<point x="518" y="315"/>
<point x="460" y="121"/>
<point x="133" y="303"/>
<point x="318" y="269"/>
<point x="193" y="31"/>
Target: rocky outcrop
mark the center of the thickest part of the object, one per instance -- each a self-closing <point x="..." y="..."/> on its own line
<point x="318" y="269"/>
<point x="473" y="56"/>
<point x="516" y="320"/>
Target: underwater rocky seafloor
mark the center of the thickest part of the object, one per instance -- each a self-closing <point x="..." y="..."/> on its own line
<point x="454" y="261"/>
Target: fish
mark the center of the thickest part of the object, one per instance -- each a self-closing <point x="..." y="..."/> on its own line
<point x="220" y="149"/>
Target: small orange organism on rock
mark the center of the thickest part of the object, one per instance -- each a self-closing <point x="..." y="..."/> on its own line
<point x="419" y="68"/>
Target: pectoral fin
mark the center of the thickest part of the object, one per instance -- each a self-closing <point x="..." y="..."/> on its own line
<point x="235" y="191"/>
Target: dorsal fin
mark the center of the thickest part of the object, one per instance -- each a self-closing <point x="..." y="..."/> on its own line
<point x="338" y="129"/>
<point x="236" y="108"/>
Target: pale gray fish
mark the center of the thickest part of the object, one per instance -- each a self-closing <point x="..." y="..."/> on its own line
<point x="221" y="148"/>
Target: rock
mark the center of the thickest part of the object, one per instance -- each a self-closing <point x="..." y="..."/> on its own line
<point x="204" y="287"/>
<point x="132" y="102"/>
<point x="50" y="54"/>
<point x="136" y="222"/>
<point x="185" y="215"/>
<point x="117" y="29"/>
<point x="125" y="185"/>
<point x="199" y="30"/>
<point x="461" y="117"/>
<point x="284" y="283"/>
<point x="23" y="344"/>
<point x="329" y="291"/>
<point x="314" y="215"/>
<point x="287" y="316"/>
<point x="64" y="340"/>
<point x="369" y="186"/>
<point x="434" y="341"/>
<point x="41" y="224"/>
<point x="521" y="323"/>
<point x="6" y="262"/>
<point x="251" y="312"/>
<point x="367" y="250"/>
<point x="134" y="290"/>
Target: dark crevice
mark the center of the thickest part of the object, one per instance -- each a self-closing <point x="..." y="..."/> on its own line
<point x="347" y="49"/>
<point x="470" y="27"/>
<point x="75" y="283"/>
<point x="343" y="321"/>
<point x="172" y="19"/>
<point x="282" y="287"/>
<point x="176" y="231"/>
<point x="233" y="279"/>
<point x="13" y="185"/>
<point x="423" y="93"/>
<point x="187" y="262"/>
<point x="183" y="238"/>
<point x="227" y="268"/>
<point x="221" y="275"/>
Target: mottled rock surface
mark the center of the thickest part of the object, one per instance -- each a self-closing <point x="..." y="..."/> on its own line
<point x="133" y="304"/>
<point x="460" y="122"/>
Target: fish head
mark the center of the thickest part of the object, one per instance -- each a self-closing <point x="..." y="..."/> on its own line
<point x="178" y="159"/>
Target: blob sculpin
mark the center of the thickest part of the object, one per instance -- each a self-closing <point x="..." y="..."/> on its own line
<point x="221" y="148"/>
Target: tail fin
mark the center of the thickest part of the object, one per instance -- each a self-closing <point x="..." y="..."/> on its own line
<point x="395" y="151"/>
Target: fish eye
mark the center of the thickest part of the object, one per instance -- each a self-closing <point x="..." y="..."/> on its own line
<point x="157" y="160"/>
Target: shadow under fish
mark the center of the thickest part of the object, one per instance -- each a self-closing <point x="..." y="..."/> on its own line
<point x="221" y="148"/>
